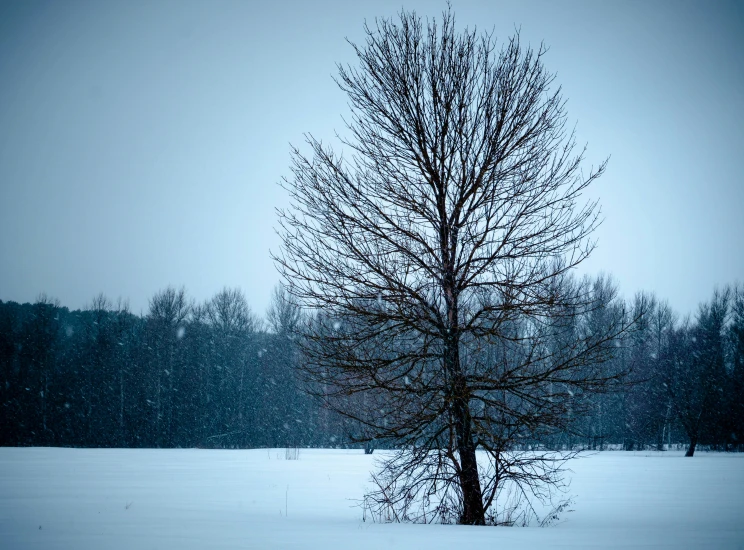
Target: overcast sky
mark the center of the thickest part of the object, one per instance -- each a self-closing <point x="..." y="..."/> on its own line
<point x="141" y="142"/>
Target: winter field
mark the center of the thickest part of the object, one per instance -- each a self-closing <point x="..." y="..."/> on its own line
<point x="181" y="499"/>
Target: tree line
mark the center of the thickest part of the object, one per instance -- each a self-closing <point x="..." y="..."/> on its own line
<point x="684" y="382"/>
<point x="216" y="375"/>
<point x="181" y="375"/>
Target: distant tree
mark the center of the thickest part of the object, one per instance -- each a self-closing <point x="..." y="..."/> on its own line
<point x="10" y="389"/>
<point x="233" y="326"/>
<point x="40" y="337"/>
<point x="736" y="387"/>
<point x="434" y="252"/>
<point x="229" y="313"/>
<point x="123" y="334"/>
<point x="103" y="365"/>
<point x="284" y="316"/>
<point x="604" y="422"/>
<point x="166" y="326"/>
<point x="199" y="411"/>
<point x="663" y="320"/>
<point x="96" y="369"/>
<point x="698" y="372"/>
<point x="292" y="411"/>
<point x="647" y="406"/>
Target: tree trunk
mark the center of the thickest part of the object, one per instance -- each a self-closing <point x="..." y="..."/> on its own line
<point x="472" y="497"/>
<point x="660" y="438"/>
<point x="691" y="448"/>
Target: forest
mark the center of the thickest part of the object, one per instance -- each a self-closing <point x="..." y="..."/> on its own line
<point x="216" y="375"/>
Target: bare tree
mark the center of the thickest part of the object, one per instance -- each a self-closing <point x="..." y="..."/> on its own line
<point x="736" y="389"/>
<point x="291" y="408"/>
<point x="436" y="250"/>
<point x="41" y="338"/>
<point x="697" y="371"/>
<point x="233" y="326"/>
<point x="283" y="315"/>
<point x="229" y="313"/>
<point x="169" y="310"/>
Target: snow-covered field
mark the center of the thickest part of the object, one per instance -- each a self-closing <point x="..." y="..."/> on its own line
<point x="182" y="499"/>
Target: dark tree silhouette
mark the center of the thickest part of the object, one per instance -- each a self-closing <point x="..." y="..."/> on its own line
<point x="736" y="388"/>
<point x="169" y="310"/>
<point x="697" y="375"/>
<point x="435" y="249"/>
<point x="40" y="340"/>
<point x="233" y="325"/>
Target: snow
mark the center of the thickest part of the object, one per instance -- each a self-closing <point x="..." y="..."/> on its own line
<point x="183" y="499"/>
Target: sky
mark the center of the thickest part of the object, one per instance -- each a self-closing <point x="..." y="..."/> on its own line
<point x="142" y="143"/>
